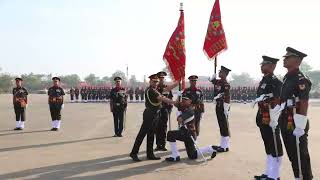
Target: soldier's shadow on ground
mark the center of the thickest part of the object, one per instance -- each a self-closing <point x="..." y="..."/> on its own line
<point x="111" y="167"/>
<point x="50" y="144"/>
<point x="12" y="132"/>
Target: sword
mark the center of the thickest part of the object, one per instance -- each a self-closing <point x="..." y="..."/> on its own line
<point x="275" y="143"/>
<point x="298" y="151"/>
<point x="198" y="149"/>
<point x="124" y="119"/>
<point x="169" y="118"/>
<point x="275" y="140"/>
<point x="196" y="146"/>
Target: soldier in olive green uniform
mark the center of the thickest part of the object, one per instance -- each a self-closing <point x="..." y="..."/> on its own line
<point x="56" y="94"/>
<point x="118" y="106"/>
<point x="20" y="100"/>
<point x="150" y="118"/>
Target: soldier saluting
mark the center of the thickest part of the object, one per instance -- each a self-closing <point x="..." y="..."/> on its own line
<point x="150" y="117"/>
<point x="293" y="120"/>
<point x="55" y="99"/>
<point x="20" y="100"/>
<point x="118" y="106"/>
<point x="165" y="111"/>
<point x="197" y="100"/>
<point x="268" y="99"/>
<point x="222" y="97"/>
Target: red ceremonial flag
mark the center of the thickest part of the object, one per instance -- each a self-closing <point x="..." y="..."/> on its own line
<point x="215" y="41"/>
<point x="174" y="55"/>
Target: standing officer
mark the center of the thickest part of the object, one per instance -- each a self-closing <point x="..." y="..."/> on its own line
<point x="72" y="93"/>
<point x="293" y="120"/>
<point x="165" y="111"/>
<point x="130" y="92"/>
<point x="118" y="106"/>
<point x="150" y="118"/>
<point x="77" y="92"/>
<point x="142" y="93"/>
<point x="197" y="100"/>
<point x="20" y="100"/>
<point x="268" y="98"/>
<point x="222" y="97"/>
<point x="136" y="92"/>
<point x="56" y="94"/>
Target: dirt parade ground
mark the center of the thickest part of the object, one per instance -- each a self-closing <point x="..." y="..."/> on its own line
<point x="85" y="149"/>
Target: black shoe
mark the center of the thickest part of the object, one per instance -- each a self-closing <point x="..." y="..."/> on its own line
<point x="213" y="155"/>
<point x="153" y="158"/>
<point x="172" y="159"/>
<point x="18" y="129"/>
<point x="115" y="135"/>
<point x="220" y="149"/>
<point x="272" y="179"/>
<point x="160" y="148"/>
<point x="54" y="129"/>
<point x="119" y="135"/>
<point x="261" y="177"/>
<point x="135" y="157"/>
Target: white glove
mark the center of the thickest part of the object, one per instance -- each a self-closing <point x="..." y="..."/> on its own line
<point x="218" y="96"/>
<point x="260" y="98"/>
<point x="300" y="121"/>
<point x="201" y="115"/>
<point x="178" y="113"/>
<point x="62" y="106"/>
<point x="214" y="76"/>
<point x="298" y="132"/>
<point x="274" y="116"/>
<point x="179" y="93"/>
<point x="226" y="107"/>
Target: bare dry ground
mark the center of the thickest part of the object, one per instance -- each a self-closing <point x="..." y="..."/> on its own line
<point x="85" y="149"/>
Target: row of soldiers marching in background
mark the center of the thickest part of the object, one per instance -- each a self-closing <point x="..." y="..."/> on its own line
<point x="90" y="94"/>
<point x="102" y="94"/>
<point x="237" y="94"/>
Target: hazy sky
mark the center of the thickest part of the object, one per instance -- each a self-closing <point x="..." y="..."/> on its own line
<point x="101" y="36"/>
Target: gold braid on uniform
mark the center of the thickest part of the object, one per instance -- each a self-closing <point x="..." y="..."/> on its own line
<point x="153" y="104"/>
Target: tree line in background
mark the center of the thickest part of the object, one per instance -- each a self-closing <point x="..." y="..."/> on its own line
<point x="34" y="82"/>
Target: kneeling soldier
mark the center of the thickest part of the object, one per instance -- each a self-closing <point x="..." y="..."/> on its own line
<point x="186" y="133"/>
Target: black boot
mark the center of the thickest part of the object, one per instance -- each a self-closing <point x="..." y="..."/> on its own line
<point x="135" y="157"/>
<point x="261" y="177"/>
<point x="153" y="157"/>
<point x="213" y="155"/>
<point x="172" y="159"/>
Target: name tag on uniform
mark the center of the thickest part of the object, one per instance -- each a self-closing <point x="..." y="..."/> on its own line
<point x="263" y="86"/>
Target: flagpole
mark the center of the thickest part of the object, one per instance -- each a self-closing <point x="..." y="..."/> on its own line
<point x="180" y="88"/>
<point x="215" y="65"/>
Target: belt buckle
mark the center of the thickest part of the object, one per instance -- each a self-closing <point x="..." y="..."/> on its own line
<point x="289" y="102"/>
